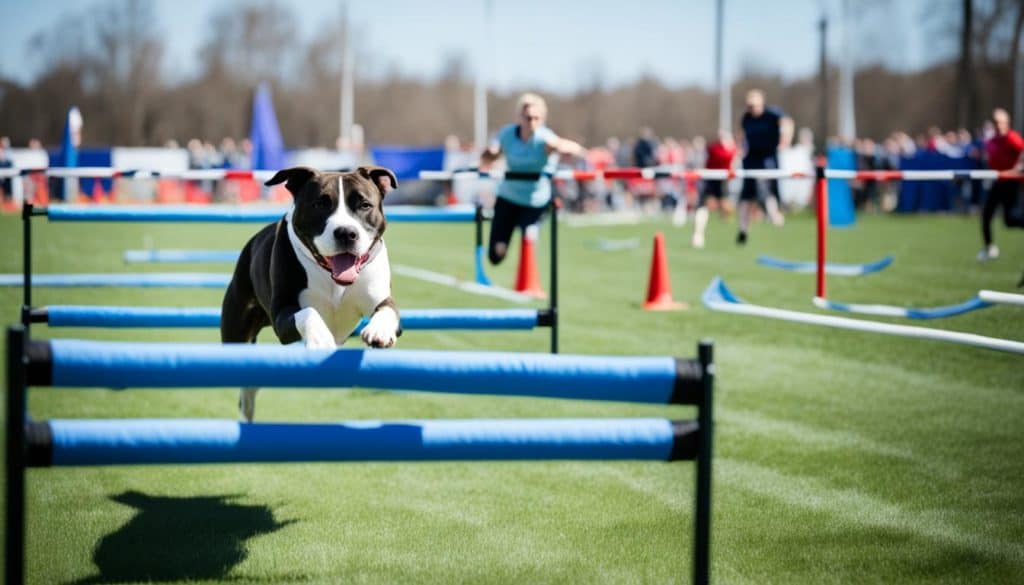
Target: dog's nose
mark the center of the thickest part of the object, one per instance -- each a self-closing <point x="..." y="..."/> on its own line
<point x="345" y="235"/>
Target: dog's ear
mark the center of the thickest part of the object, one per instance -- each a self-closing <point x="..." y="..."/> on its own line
<point x="296" y="177"/>
<point x="382" y="177"/>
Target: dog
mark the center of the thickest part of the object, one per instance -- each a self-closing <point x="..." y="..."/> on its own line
<point x="316" y="272"/>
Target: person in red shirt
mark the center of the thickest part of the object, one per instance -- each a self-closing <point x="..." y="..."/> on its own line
<point x="721" y="154"/>
<point x="1004" y="154"/>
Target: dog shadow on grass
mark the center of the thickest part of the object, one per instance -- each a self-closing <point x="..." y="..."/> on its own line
<point x="179" y="539"/>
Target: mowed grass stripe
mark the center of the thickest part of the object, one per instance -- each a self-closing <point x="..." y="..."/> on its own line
<point x="857" y="509"/>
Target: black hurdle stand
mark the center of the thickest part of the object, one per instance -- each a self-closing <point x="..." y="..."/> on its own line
<point x="705" y="422"/>
<point x="553" y="298"/>
<point x="14" y="522"/>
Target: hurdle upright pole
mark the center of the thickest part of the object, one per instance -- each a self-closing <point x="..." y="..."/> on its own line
<point x="478" y="251"/>
<point x="14" y="545"/>
<point x="702" y="521"/>
<point x="26" y="262"/>
<point x="553" y="299"/>
<point x="821" y="195"/>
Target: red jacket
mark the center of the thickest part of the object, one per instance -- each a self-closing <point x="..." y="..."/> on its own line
<point x="720" y="156"/>
<point x="1004" y="151"/>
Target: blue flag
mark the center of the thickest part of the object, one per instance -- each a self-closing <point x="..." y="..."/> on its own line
<point x="267" y="144"/>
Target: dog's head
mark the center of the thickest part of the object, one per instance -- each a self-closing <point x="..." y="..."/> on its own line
<point x="339" y="217"/>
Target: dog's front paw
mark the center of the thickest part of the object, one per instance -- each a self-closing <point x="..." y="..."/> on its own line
<point x="318" y="338"/>
<point x="382" y="330"/>
<point x="315" y="333"/>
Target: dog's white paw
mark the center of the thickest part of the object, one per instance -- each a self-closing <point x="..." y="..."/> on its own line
<point x="247" y="403"/>
<point x="315" y="333"/>
<point x="382" y="330"/>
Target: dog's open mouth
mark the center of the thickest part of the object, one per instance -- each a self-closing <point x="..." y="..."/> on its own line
<point x="345" y="268"/>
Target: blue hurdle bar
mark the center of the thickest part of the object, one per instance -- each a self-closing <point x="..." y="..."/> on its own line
<point x="78" y="363"/>
<point x="233" y="214"/>
<point x="180" y="256"/>
<point x="140" y="280"/>
<point x="160" y="441"/>
<point x="135" y="317"/>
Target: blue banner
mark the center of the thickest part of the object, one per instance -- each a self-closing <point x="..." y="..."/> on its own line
<point x="407" y="161"/>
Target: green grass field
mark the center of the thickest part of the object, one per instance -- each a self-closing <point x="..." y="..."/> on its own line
<point x="840" y="457"/>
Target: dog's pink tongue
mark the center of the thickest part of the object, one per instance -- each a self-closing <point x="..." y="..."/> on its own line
<point x="344" y="268"/>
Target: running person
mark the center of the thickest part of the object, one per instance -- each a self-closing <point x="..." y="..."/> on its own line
<point x="1004" y="154"/>
<point x="528" y="146"/>
<point x="762" y="134"/>
<point x="721" y="154"/>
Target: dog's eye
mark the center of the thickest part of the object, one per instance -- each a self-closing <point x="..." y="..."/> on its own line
<point x="366" y="206"/>
<point x="323" y="202"/>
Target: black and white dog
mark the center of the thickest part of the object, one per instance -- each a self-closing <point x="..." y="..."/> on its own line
<point x="318" y="270"/>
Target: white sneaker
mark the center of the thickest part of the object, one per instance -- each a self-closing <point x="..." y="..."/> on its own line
<point x="989" y="253"/>
<point x="698" y="241"/>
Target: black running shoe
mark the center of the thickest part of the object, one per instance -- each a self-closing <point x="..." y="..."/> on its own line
<point x="741" y="239"/>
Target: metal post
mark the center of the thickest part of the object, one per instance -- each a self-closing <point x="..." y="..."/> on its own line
<point x="480" y="91"/>
<point x="702" y="522"/>
<point x="724" y="88"/>
<point x="823" y="87"/>
<point x="347" y="81"/>
<point x="821" y="194"/>
<point x="14" y="573"/>
<point x="26" y="262"/>
<point x="553" y="299"/>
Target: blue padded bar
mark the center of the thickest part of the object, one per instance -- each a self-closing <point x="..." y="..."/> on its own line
<point x="180" y="256"/>
<point x="79" y="363"/>
<point x="141" y="280"/>
<point x="132" y="317"/>
<point x="135" y="441"/>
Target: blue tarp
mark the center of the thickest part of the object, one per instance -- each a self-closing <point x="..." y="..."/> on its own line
<point x="84" y="157"/>
<point x="407" y="162"/>
<point x="930" y="195"/>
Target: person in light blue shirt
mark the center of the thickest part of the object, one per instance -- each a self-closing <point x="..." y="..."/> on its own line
<point x="528" y="147"/>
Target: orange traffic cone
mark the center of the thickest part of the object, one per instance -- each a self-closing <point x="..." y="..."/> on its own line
<point x="98" y="195"/>
<point x="527" y="277"/>
<point x="659" y="288"/>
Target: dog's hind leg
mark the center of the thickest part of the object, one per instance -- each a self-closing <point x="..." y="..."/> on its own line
<point x="241" y="319"/>
<point x="247" y="403"/>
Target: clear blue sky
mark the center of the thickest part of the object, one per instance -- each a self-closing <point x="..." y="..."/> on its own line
<point x="547" y="44"/>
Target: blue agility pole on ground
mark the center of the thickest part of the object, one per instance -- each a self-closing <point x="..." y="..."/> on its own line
<point x="180" y="256"/>
<point x="160" y="441"/>
<point x="832" y="268"/>
<point x="79" y="363"/>
<point x="237" y="214"/>
<point x="142" y="280"/>
<point x="133" y="317"/>
<point x="972" y="304"/>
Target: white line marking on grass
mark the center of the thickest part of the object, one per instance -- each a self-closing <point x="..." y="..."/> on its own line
<point x="463" y="285"/>
<point x="789" y="431"/>
<point x="752" y="423"/>
<point x="852" y="506"/>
